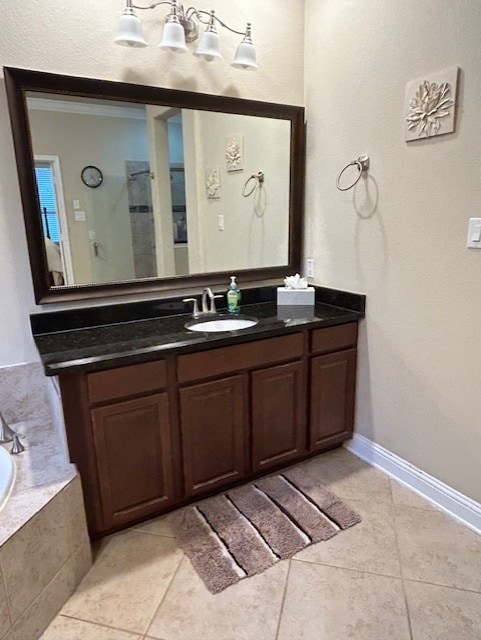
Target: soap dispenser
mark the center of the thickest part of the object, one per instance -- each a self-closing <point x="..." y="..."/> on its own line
<point x="233" y="296"/>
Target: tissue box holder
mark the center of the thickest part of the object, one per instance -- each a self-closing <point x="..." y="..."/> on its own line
<point x="295" y="297"/>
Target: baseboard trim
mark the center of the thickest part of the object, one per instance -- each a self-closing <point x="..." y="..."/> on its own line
<point x="452" y="502"/>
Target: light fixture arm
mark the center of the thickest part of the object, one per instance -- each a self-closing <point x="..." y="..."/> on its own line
<point x="150" y="6"/>
<point x="188" y="14"/>
<point x="198" y="14"/>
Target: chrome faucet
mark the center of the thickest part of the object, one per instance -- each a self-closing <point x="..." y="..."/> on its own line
<point x="195" y="308"/>
<point x="207" y="293"/>
<point x="7" y="434"/>
<point x="208" y="303"/>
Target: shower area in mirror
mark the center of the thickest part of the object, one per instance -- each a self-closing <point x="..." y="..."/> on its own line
<point x="141" y="212"/>
<point x="140" y="182"/>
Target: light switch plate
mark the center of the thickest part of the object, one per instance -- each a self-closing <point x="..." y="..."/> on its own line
<point x="80" y="216"/>
<point x="310" y="268"/>
<point x="220" y="222"/>
<point x="474" y="233"/>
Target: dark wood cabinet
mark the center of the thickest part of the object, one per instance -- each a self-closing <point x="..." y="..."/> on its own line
<point x="153" y="436"/>
<point x="332" y="398"/>
<point x="134" y="458"/>
<point x="278" y="409"/>
<point x="213" y="432"/>
<point x="332" y="381"/>
<point x="119" y="434"/>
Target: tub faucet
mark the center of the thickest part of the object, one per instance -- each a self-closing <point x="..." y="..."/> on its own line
<point x="17" y="446"/>
<point x="6" y="433"/>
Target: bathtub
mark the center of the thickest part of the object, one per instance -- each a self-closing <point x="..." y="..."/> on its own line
<point x="7" y="476"/>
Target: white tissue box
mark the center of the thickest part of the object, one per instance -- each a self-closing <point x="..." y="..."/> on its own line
<point x="294" y="297"/>
<point x="295" y="312"/>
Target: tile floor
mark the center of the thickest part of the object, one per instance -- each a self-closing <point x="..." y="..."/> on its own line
<point x="407" y="572"/>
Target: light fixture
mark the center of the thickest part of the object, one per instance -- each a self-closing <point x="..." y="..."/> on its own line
<point x="173" y="35"/>
<point x="209" y="48"/>
<point x="245" y="57"/>
<point x="182" y="26"/>
<point x="129" y="33"/>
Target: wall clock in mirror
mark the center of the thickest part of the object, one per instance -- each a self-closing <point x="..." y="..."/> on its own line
<point x="92" y="176"/>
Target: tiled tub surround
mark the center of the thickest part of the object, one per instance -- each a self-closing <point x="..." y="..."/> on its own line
<point x="44" y="546"/>
<point x="42" y="563"/>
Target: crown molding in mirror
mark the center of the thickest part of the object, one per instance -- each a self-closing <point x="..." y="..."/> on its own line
<point x="20" y="81"/>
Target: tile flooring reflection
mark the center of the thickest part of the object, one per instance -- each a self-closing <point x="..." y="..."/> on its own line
<point x="407" y="572"/>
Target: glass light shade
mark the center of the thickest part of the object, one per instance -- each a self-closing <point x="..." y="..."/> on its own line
<point x="245" y="57"/>
<point x="209" y="46"/>
<point x="129" y="33"/>
<point x="173" y="37"/>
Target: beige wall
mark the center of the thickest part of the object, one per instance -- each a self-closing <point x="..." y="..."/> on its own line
<point x="76" y="38"/>
<point x="420" y="359"/>
<point x="256" y="228"/>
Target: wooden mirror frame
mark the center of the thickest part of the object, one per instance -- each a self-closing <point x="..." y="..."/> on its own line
<point x="20" y="81"/>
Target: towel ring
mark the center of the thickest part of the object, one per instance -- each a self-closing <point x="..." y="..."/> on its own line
<point x="362" y="164"/>
<point x="258" y="179"/>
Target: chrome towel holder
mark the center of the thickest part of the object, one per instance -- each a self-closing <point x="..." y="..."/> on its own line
<point x="258" y="179"/>
<point x="362" y="164"/>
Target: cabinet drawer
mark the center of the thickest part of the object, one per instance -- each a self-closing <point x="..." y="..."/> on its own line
<point x="126" y="381"/>
<point x="342" y="336"/>
<point x="243" y="356"/>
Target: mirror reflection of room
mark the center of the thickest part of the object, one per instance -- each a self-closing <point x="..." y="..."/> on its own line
<point x="130" y="192"/>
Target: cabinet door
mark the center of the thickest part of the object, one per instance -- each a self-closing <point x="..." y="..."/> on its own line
<point x="332" y="398"/>
<point x="278" y="415"/>
<point x="213" y="434"/>
<point x="134" y="459"/>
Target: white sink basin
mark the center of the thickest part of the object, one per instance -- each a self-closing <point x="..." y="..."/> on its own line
<point x="218" y="324"/>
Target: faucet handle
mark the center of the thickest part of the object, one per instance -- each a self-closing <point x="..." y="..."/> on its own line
<point x="195" y="310"/>
<point x="17" y="446"/>
<point x="212" y="302"/>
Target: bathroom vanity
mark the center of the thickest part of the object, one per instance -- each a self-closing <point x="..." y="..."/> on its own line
<point x="157" y="415"/>
<point x="163" y="416"/>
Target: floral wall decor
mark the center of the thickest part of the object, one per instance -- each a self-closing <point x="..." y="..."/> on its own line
<point x="430" y="105"/>
<point x="212" y="183"/>
<point x="234" y="153"/>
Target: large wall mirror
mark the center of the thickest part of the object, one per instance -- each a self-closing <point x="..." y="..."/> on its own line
<point x="129" y="188"/>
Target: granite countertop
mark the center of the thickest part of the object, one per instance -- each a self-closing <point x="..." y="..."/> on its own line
<point x="134" y="340"/>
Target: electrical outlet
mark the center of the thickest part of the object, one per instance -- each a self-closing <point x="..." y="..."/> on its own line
<point x="220" y="222"/>
<point x="310" y="268"/>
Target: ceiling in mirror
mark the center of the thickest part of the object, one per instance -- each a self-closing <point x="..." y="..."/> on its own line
<point x="154" y="193"/>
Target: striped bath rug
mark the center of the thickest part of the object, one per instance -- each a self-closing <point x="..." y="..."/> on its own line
<point x="248" y="529"/>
